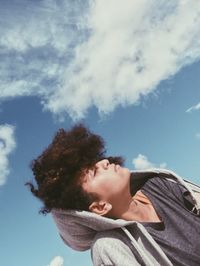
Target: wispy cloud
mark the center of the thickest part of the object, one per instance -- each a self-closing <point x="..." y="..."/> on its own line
<point x="193" y="108"/>
<point x="37" y="43"/>
<point x="57" y="261"/>
<point x="77" y="54"/>
<point x="7" y="145"/>
<point x="141" y="162"/>
<point x="197" y="135"/>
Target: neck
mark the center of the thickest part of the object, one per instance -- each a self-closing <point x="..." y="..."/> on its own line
<point x="121" y="206"/>
<point x="132" y="209"/>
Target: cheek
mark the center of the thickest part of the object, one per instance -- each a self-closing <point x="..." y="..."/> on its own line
<point x="108" y="186"/>
<point x="111" y="188"/>
<point x="104" y="188"/>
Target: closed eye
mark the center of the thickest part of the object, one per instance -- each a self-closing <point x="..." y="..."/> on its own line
<point x="95" y="171"/>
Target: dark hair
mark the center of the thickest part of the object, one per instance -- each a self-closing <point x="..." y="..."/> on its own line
<point x="58" y="170"/>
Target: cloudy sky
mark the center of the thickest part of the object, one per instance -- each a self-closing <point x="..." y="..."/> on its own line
<point x="128" y="69"/>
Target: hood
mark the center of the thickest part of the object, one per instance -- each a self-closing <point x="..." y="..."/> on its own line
<point x="78" y="228"/>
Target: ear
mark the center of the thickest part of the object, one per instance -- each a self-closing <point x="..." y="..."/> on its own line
<point x="100" y="207"/>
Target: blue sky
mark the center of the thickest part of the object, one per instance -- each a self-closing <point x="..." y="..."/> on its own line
<point x="129" y="70"/>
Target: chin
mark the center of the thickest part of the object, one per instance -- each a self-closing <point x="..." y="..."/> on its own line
<point x="126" y="172"/>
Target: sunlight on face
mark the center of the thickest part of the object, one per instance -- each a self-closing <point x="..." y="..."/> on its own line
<point x="108" y="181"/>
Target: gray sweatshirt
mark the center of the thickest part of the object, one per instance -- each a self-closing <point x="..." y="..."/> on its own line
<point x="110" y="241"/>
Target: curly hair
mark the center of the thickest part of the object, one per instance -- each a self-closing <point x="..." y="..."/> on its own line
<point x="58" y="170"/>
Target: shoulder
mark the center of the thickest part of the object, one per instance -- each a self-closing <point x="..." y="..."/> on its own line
<point x="112" y="248"/>
<point x="163" y="184"/>
<point x="166" y="190"/>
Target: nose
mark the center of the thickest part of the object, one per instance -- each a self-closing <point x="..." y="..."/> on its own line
<point x="103" y="163"/>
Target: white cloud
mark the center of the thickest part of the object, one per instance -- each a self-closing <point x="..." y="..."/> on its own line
<point x="193" y="108"/>
<point x="7" y="145"/>
<point x="141" y="162"/>
<point x="37" y="42"/>
<point x="57" y="261"/>
<point x="198" y="135"/>
<point x="101" y="53"/>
